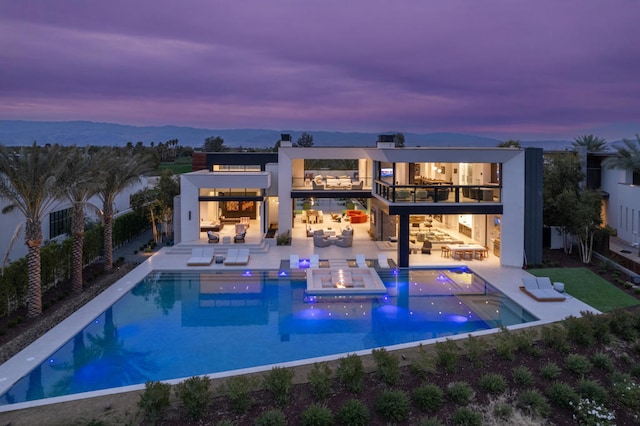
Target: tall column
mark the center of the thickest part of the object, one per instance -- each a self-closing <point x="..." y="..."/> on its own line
<point x="403" y="240"/>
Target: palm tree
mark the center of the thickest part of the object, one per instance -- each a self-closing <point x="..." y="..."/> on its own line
<point x="592" y="143"/>
<point x="30" y="182"/>
<point x="81" y="175"/>
<point x="121" y="170"/>
<point x="627" y="158"/>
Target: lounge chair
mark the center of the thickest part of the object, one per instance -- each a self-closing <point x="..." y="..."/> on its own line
<point x="239" y="238"/>
<point x="383" y="261"/>
<point x="201" y="257"/>
<point x="546" y="293"/>
<point x="294" y="261"/>
<point x="314" y="261"/>
<point x="243" y="257"/>
<point x="232" y="255"/>
<point x="213" y="237"/>
<point x="361" y="261"/>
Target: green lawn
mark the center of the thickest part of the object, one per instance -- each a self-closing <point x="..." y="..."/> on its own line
<point x="589" y="287"/>
<point x="176" y="168"/>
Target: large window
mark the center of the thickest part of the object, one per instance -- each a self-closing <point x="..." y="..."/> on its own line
<point x="59" y="223"/>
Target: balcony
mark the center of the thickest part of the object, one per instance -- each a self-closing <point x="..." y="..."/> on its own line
<point x="337" y="183"/>
<point x="438" y="193"/>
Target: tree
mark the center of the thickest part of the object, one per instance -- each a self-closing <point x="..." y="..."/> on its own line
<point x="627" y="158"/>
<point x="305" y="140"/>
<point x="158" y="202"/>
<point x="511" y="143"/>
<point x="592" y="143"/>
<point x="121" y="170"/>
<point x="398" y="140"/>
<point x="586" y="219"/>
<point x="30" y="183"/>
<point x="214" y="144"/>
<point x="81" y="177"/>
<point x="561" y="181"/>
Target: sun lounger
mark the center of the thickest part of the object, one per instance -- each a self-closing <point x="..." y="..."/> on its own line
<point x="294" y="261"/>
<point x="541" y="289"/>
<point x="314" y="261"/>
<point x="200" y="257"/>
<point x="237" y="257"/>
<point x="361" y="261"/>
<point x="383" y="262"/>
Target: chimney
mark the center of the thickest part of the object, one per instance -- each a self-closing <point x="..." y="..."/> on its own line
<point x="285" y="140"/>
<point x="385" y="141"/>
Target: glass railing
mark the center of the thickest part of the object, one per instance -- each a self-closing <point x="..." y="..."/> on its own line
<point x="337" y="183"/>
<point x="438" y="193"/>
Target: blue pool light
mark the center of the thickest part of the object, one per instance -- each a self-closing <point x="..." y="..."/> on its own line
<point x="247" y="273"/>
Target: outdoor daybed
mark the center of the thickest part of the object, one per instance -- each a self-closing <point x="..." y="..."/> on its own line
<point x="541" y="289"/>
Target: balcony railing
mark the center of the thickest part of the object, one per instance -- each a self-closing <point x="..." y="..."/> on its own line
<point x="438" y="193"/>
<point x="331" y="184"/>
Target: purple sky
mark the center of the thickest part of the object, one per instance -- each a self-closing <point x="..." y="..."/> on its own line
<point x="508" y="69"/>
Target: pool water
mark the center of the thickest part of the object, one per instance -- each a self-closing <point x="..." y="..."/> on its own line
<point x="182" y="324"/>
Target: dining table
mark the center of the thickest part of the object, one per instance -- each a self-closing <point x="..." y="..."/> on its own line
<point x="461" y="251"/>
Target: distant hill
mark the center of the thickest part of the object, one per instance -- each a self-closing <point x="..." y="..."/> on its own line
<point x="81" y="133"/>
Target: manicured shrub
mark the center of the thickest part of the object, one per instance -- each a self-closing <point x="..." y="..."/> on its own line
<point x="550" y="371"/>
<point x="534" y="403"/>
<point x="423" y="364"/>
<point x="505" y="344"/>
<point x="316" y="415"/>
<point x="602" y="361"/>
<point x="627" y="391"/>
<point x="621" y="324"/>
<point x="272" y="417"/>
<point x="195" y="394"/>
<point x="493" y="384"/>
<point x="388" y="366"/>
<point x="350" y="373"/>
<point x="474" y="350"/>
<point x="279" y="382"/>
<point x="562" y="394"/>
<point x="599" y="326"/>
<point x="393" y="405"/>
<point x="466" y="416"/>
<point x="447" y="353"/>
<point x="592" y="390"/>
<point x="554" y="336"/>
<point x="577" y="364"/>
<point x="353" y="413"/>
<point x="522" y="376"/>
<point x="154" y="401"/>
<point x="579" y="331"/>
<point x="428" y="397"/>
<point x="238" y="390"/>
<point x="320" y="380"/>
<point x="524" y="341"/>
<point x="459" y="392"/>
<point x="589" y="412"/>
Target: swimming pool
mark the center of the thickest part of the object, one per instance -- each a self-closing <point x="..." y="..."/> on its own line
<point x="181" y="324"/>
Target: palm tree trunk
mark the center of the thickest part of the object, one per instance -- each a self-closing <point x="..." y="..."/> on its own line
<point x="77" y="232"/>
<point x="108" y="238"/>
<point x="34" y="294"/>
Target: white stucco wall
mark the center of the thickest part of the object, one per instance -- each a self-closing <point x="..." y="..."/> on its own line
<point x="10" y="221"/>
<point x="623" y="205"/>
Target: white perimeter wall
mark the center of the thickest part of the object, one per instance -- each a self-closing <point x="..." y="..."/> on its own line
<point x="623" y="205"/>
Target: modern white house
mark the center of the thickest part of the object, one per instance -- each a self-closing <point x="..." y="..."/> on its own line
<point x="414" y="197"/>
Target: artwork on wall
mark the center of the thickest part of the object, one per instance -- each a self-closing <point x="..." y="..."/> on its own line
<point x="232" y="206"/>
<point x="247" y="206"/>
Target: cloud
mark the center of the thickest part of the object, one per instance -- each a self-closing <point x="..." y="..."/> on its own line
<point x="545" y="67"/>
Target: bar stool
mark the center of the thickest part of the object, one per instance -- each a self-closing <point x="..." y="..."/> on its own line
<point x="446" y="252"/>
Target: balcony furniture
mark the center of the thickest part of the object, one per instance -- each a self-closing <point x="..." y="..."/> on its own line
<point x="422" y="195"/>
<point x="316" y="186"/>
<point x="403" y="195"/>
<point x="443" y="194"/>
<point x="358" y="185"/>
<point x="356" y="216"/>
<point x="341" y="182"/>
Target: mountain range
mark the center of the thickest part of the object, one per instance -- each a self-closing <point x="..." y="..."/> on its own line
<point x="83" y="133"/>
